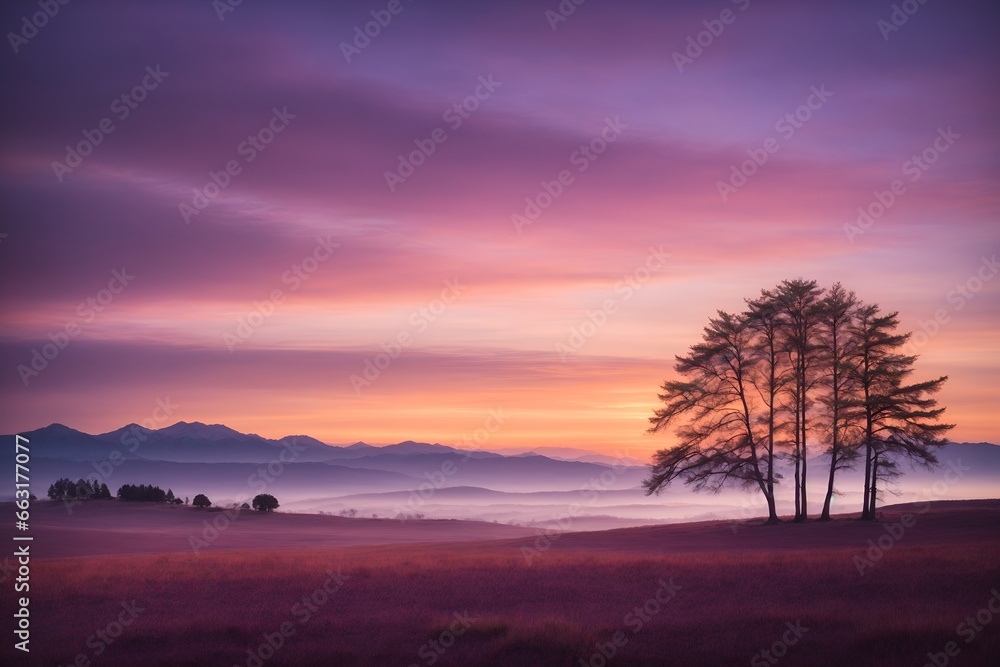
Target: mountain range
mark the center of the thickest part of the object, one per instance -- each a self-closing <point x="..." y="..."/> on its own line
<point x="533" y="487"/>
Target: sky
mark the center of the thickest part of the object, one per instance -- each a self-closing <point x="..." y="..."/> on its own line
<point x="480" y="223"/>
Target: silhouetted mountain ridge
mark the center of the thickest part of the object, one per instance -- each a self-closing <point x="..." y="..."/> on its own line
<point x="195" y="457"/>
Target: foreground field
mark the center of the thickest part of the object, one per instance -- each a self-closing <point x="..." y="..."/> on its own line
<point x="669" y="595"/>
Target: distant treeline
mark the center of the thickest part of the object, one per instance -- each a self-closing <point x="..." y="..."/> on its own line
<point x="146" y="493"/>
<point x="85" y="489"/>
<point x="81" y="489"/>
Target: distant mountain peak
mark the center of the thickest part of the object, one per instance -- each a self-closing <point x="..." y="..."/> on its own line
<point x="412" y="447"/>
<point x="133" y="427"/>
<point x="56" y="427"/>
<point x="200" y="431"/>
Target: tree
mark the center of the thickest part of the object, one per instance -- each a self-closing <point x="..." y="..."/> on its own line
<point x="719" y="443"/>
<point x="201" y="500"/>
<point x="770" y="376"/>
<point x="265" y="502"/>
<point x="58" y="489"/>
<point x="170" y="495"/>
<point x="244" y="506"/>
<point x="837" y="345"/>
<point x="83" y="489"/>
<point x="899" y="420"/>
<point x="799" y="301"/>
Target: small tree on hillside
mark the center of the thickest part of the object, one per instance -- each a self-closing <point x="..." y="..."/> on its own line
<point x="265" y="502"/>
<point x="201" y="500"/>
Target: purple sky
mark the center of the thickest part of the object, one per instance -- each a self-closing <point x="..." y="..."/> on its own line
<point x="522" y="292"/>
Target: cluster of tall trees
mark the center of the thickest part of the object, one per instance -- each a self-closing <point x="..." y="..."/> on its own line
<point x="801" y="367"/>
<point x="146" y="493"/>
<point x="82" y="489"/>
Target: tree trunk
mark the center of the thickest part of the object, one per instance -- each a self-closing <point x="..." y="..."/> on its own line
<point x="865" y="514"/>
<point x="798" y="459"/>
<point x="874" y="493"/>
<point x="772" y="513"/>
<point x="804" y="513"/>
<point x="805" y="499"/>
<point x="825" y="516"/>
<point x="834" y="445"/>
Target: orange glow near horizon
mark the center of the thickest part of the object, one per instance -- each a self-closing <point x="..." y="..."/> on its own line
<point x="260" y="309"/>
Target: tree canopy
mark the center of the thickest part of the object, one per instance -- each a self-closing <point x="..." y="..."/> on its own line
<point x="265" y="502"/>
<point x="801" y="366"/>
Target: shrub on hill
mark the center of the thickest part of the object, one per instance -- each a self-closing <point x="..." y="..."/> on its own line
<point x="265" y="502"/>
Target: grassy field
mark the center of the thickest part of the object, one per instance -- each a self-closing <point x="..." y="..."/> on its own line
<point x="669" y="595"/>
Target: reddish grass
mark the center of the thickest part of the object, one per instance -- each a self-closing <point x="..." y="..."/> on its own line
<point x="210" y="609"/>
